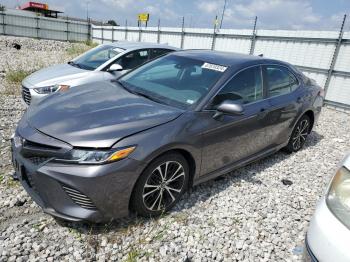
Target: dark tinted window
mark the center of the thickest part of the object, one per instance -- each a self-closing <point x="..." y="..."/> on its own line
<point x="280" y="80"/>
<point x="245" y="87"/>
<point x="133" y="59"/>
<point x="158" y="52"/>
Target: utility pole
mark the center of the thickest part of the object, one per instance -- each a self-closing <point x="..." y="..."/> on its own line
<point x="87" y="10"/>
<point x="223" y="13"/>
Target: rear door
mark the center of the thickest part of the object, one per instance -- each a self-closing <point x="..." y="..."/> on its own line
<point x="285" y="98"/>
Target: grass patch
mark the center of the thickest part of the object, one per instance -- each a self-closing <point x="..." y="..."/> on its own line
<point x="16" y="76"/>
<point x="78" y="49"/>
<point x="90" y="43"/>
<point x="132" y="256"/>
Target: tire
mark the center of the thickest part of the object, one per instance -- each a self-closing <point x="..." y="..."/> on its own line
<point x="299" y="135"/>
<point x="157" y="191"/>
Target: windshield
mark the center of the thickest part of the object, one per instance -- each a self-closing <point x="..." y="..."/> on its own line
<point x="96" y="57"/>
<point x="173" y="80"/>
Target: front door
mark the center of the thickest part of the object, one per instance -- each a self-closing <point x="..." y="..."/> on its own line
<point x="230" y="139"/>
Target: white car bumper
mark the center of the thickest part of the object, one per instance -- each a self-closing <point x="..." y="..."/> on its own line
<point x="327" y="238"/>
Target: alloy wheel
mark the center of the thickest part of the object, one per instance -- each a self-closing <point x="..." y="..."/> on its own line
<point x="163" y="186"/>
<point x="300" y="134"/>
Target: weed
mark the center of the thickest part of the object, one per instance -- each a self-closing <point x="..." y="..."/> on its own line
<point x="78" y="49"/>
<point x="90" y="43"/>
<point x="16" y="76"/>
<point x="133" y="255"/>
<point x="75" y="233"/>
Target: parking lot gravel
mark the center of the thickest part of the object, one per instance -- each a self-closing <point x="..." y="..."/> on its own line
<point x="257" y="213"/>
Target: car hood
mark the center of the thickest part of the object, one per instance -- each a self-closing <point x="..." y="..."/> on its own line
<point x="97" y="115"/>
<point x="53" y="75"/>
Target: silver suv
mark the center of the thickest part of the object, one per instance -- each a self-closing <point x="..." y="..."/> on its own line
<point x="104" y="62"/>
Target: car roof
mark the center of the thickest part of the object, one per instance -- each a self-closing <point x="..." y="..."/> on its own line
<point x="137" y="45"/>
<point x="226" y="58"/>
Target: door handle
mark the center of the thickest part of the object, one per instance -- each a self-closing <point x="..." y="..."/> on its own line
<point x="299" y="100"/>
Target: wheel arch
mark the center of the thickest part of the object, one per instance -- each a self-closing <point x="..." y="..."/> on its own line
<point x="189" y="157"/>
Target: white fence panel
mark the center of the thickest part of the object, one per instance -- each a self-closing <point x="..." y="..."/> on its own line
<point x="339" y="90"/>
<point x="22" y="23"/>
<point x="317" y="55"/>
<point x="238" y="45"/>
<point x="150" y="37"/>
<point x="119" y="35"/>
<point x="197" y="41"/>
<point x="343" y="63"/>
<point x="172" y="39"/>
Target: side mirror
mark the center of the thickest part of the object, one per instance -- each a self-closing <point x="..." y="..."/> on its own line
<point x="229" y="107"/>
<point x="115" y="67"/>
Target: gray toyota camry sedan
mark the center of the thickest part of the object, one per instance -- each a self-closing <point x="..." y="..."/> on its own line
<point x="104" y="149"/>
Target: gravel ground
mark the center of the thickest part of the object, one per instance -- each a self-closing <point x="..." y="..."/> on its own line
<point x="247" y="215"/>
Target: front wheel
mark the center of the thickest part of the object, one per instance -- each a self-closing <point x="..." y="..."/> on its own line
<point x="161" y="185"/>
<point x="299" y="135"/>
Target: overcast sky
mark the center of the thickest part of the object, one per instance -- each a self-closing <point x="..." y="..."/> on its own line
<point x="272" y="14"/>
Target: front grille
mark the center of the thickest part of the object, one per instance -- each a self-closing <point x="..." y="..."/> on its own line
<point x="37" y="160"/>
<point x="26" y="95"/>
<point x="79" y="198"/>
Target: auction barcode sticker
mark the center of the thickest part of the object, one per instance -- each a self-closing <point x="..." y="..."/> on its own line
<point x="219" y="68"/>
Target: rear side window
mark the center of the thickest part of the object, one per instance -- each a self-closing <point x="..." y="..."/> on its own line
<point x="158" y="52"/>
<point x="280" y="81"/>
<point x="133" y="59"/>
<point x="245" y="87"/>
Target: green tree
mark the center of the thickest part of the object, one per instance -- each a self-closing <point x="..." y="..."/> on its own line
<point x="112" y="22"/>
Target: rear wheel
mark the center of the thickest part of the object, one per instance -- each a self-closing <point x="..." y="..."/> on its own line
<point x="299" y="135"/>
<point x="161" y="185"/>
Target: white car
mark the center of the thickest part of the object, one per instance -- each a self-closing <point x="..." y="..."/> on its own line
<point x="104" y="62"/>
<point x="328" y="236"/>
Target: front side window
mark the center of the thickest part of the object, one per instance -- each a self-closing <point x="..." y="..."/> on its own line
<point x="96" y="57"/>
<point x="245" y="87"/>
<point x="174" y="80"/>
<point x="280" y="81"/>
<point x="133" y="59"/>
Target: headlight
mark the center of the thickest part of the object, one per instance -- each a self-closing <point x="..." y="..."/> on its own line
<point x="51" y="89"/>
<point x="338" y="197"/>
<point x="96" y="156"/>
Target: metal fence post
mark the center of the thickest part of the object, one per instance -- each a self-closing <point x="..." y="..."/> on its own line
<point x="140" y="32"/>
<point x="37" y="27"/>
<point x="3" y="23"/>
<point x="253" y="40"/>
<point x="67" y="29"/>
<point x="126" y="30"/>
<point x="90" y="31"/>
<point x="214" y="34"/>
<point x="158" y="34"/>
<point x="112" y="33"/>
<point x="335" y="56"/>
<point x="102" y="34"/>
<point x="182" y="33"/>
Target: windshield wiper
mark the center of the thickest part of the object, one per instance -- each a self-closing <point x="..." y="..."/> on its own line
<point x="74" y="64"/>
<point x="139" y="93"/>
